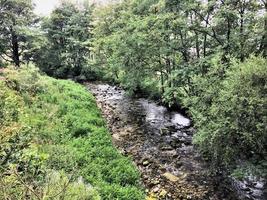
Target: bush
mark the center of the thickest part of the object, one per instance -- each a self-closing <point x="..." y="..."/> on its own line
<point x="231" y="114"/>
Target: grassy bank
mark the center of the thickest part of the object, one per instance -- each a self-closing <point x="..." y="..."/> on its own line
<point x="55" y="144"/>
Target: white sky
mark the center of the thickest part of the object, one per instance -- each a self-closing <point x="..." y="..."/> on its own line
<point x="45" y="7"/>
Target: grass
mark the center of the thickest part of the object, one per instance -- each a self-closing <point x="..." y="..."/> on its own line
<point x="60" y="129"/>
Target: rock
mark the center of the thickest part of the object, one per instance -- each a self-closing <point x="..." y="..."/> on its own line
<point x="156" y="189"/>
<point x="139" y="132"/>
<point x="124" y="133"/>
<point x="123" y="152"/>
<point x="166" y="148"/>
<point x="80" y="79"/>
<point x="116" y="137"/>
<point x="155" y="182"/>
<point x="170" y="153"/>
<point x="171" y="127"/>
<point x="145" y="177"/>
<point x="145" y="163"/>
<point x="175" y="144"/>
<point x="151" y="197"/>
<point x="259" y="185"/>
<point x="189" y="197"/>
<point x="163" y="193"/>
<point x="170" y="177"/>
<point x="179" y="164"/>
<point x="164" y="131"/>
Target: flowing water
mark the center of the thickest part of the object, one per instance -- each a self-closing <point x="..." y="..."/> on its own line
<point x="160" y="143"/>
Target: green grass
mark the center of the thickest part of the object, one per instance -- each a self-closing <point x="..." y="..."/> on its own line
<point x="65" y="133"/>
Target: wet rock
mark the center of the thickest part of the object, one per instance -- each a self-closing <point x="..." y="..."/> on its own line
<point x="175" y="143"/>
<point x="178" y="164"/>
<point x="170" y="177"/>
<point x="171" y="127"/>
<point x="164" y="131"/>
<point x="166" y="148"/>
<point x="259" y="185"/>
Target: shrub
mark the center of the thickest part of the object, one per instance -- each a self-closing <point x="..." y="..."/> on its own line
<point x="231" y="115"/>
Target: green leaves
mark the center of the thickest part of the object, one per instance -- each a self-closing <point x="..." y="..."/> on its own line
<point x="57" y="144"/>
<point x="234" y="111"/>
<point x="68" y="34"/>
<point x="16" y="18"/>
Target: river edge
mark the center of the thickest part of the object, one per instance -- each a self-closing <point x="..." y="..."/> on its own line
<point x="161" y="182"/>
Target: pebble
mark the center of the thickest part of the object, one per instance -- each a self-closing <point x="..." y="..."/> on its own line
<point x="163" y="193"/>
<point x="156" y="189"/>
<point x="146" y="163"/>
<point x="170" y="177"/>
<point x="155" y="182"/>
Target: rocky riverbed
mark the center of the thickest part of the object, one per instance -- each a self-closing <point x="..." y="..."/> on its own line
<point x="160" y="143"/>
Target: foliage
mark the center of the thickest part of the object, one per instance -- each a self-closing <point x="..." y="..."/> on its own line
<point x="206" y="56"/>
<point x="231" y="114"/>
<point x="16" y="18"/>
<point x="53" y="128"/>
<point x="67" y="50"/>
<point x="196" y="54"/>
<point x="167" y="42"/>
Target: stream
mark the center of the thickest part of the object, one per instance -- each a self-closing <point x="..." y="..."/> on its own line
<point x="160" y="143"/>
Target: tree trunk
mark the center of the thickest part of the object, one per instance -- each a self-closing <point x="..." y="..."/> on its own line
<point x="263" y="45"/>
<point x="169" y="70"/>
<point x="242" y="56"/>
<point x="184" y="51"/>
<point x="205" y="36"/>
<point x="197" y="45"/>
<point x="205" y="46"/>
<point x="162" y="81"/>
<point x="15" y="48"/>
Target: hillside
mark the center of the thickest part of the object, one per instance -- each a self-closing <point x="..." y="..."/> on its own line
<point x="55" y="144"/>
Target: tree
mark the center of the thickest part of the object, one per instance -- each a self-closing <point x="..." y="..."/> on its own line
<point x="68" y="33"/>
<point x="182" y="52"/>
<point x="230" y="114"/>
<point x="16" y="16"/>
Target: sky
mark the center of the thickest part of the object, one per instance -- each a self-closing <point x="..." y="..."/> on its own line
<point x="45" y="7"/>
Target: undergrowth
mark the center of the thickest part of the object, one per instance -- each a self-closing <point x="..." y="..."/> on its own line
<point x="55" y="144"/>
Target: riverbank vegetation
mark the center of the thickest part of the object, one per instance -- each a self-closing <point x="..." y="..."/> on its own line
<point x="208" y="57"/>
<point x="55" y="144"/>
